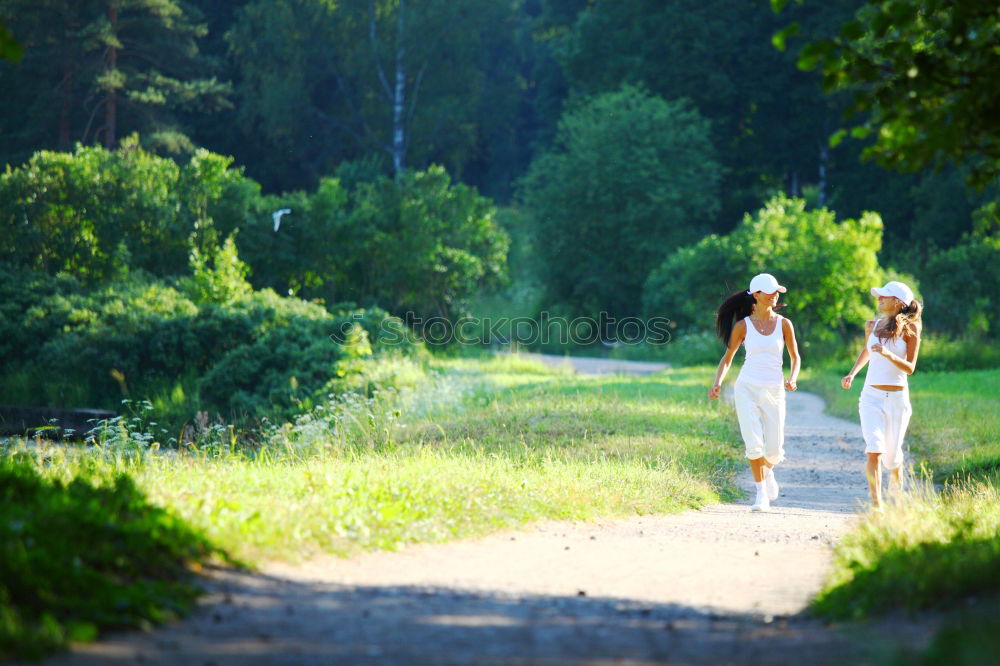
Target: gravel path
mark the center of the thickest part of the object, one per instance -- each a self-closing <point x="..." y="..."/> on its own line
<point x="715" y="586"/>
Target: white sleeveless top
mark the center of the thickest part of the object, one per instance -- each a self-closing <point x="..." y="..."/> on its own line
<point x="880" y="371"/>
<point x="762" y="365"/>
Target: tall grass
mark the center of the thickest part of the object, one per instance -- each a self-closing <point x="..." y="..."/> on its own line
<point x="927" y="549"/>
<point x="473" y="446"/>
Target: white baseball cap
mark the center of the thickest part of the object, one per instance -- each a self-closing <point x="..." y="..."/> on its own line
<point x="894" y="288"/>
<point x="766" y="283"/>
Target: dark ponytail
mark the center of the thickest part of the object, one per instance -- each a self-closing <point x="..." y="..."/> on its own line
<point x="734" y="308"/>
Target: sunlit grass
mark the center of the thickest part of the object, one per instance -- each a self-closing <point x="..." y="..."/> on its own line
<point x="477" y="445"/>
<point x="926" y="549"/>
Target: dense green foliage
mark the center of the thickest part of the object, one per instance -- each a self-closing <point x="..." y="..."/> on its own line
<point x="85" y="555"/>
<point x="97" y="215"/>
<point x="630" y="176"/>
<point x="97" y="70"/>
<point x="960" y="285"/>
<point x="923" y="73"/>
<point x="828" y="266"/>
<point x="256" y="355"/>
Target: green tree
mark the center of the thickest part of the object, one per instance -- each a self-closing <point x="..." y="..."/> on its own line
<point x="769" y="121"/>
<point x="96" y="214"/>
<point x="923" y="74"/>
<point x="828" y="267"/>
<point x="96" y="70"/>
<point x="324" y="82"/>
<point x="630" y="177"/>
<point x="422" y="244"/>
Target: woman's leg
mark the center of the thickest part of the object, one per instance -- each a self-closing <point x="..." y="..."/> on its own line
<point x="757" y="467"/>
<point x="873" y="471"/>
<point x="897" y="419"/>
<point x="871" y="408"/>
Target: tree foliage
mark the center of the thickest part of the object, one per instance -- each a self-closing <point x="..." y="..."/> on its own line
<point x="421" y="242"/>
<point x="97" y="70"/>
<point x="828" y="266"/>
<point x="630" y="177"/>
<point x="923" y="74"/>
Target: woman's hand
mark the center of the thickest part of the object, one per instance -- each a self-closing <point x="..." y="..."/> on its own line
<point x="878" y="348"/>
<point x="713" y="393"/>
<point x="790" y="385"/>
<point x="846" y="382"/>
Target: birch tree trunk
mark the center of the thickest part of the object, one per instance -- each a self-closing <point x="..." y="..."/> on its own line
<point x="399" y="95"/>
<point x="111" y="102"/>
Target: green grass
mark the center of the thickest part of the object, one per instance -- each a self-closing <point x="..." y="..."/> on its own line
<point x="466" y="446"/>
<point x="928" y="549"/>
<point x="520" y="443"/>
<point x="86" y="554"/>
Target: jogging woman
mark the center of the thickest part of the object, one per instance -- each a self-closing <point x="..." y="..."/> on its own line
<point x="892" y="343"/>
<point x="749" y="318"/>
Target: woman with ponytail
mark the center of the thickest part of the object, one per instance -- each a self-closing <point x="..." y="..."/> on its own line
<point x="891" y="348"/>
<point x="749" y="318"/>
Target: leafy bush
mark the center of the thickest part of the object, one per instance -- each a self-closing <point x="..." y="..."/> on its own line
<point x="97" y="214"/>
<point x="136" y="338"/>
<point x="828" y="267"/>
<point x="631" y="177"/>
<point x="86" y="555"/>
<point x="961" y="288"/>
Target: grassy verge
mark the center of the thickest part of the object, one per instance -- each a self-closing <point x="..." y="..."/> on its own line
<point x="927" y="550"/>
<point x="84" y="555"/>
<point x="514" y="443"/>
<point x="467" y="447"/>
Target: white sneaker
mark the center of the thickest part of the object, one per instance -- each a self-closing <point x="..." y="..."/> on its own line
<point x="771" y="484"/>
<point x="762" y="503"/>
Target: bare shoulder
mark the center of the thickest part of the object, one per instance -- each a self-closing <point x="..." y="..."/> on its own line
<point x="870" y="324"/>
<point x="740" y="327"/>
<point x="786" y="324"/>
<point x="913" y="331"/>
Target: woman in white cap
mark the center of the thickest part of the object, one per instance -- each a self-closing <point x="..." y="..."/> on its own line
<point x="892" y="343"/>
<point x="749" y="318"/>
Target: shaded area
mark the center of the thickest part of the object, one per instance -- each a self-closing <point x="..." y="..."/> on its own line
<point x="265" y="620"/>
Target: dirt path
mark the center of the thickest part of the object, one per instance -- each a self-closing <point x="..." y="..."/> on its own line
<point x="715" y="586"/>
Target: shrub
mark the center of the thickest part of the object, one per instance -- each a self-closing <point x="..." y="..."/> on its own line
<point x="97" y="214"/>
<point x="961" y="288"/>
<point x="828" y="267"/>
<point x="85" y="555"/>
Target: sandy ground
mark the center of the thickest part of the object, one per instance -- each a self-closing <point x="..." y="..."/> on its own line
<point x="716" y="586"/>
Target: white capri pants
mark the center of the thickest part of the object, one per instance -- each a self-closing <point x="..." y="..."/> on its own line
<point x="761" y="411"/>
<point x="884" y="417"/>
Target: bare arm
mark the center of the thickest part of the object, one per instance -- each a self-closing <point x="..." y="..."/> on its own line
<point x="735" y="340"/>
<point x="908" y="364"/>
<point x="788" y="331"/>
<point x="862" y="358"/>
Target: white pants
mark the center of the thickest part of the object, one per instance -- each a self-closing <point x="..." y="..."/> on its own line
<point x="761" y="411"/>
<point x="884" y="417"/>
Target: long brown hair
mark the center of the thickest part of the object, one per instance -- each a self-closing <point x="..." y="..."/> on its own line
<point x="906" y="321"/>
<point x="737" y="306"/>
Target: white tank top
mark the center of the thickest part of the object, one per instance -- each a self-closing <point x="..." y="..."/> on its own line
<point x="880" y="371"/>
<point x="762" y="365"/>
